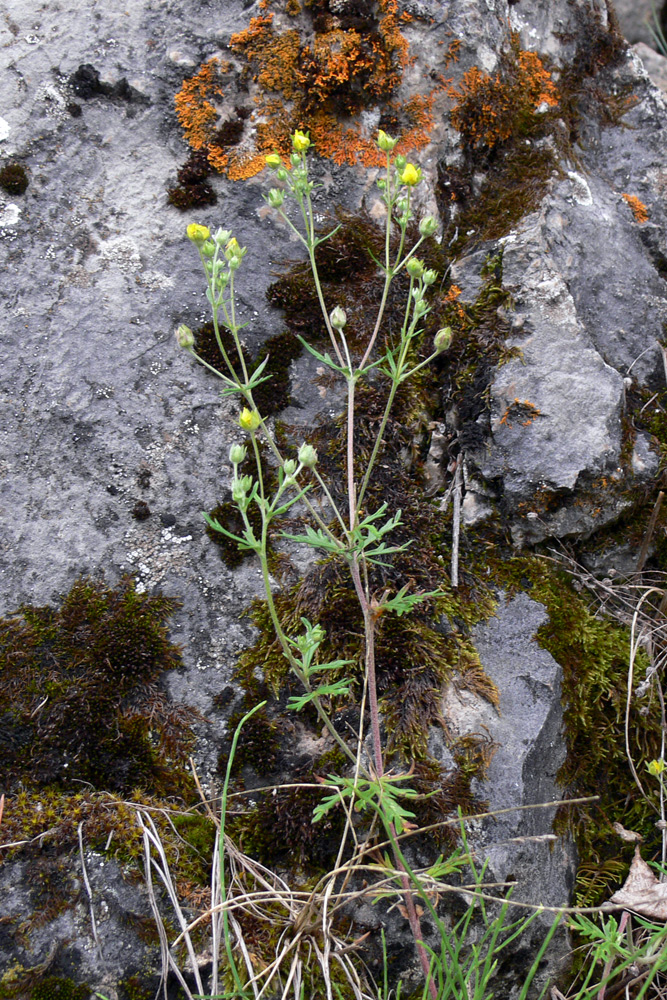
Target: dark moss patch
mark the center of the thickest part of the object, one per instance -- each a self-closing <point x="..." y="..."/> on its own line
<point x="186" y="197"/>
<point x="141" y="511"/>
<point x="14" y="178"/>
<point x="79" y="692"/>
<point x="270" y="396"/>
<point x="280" y="830"/>
<point x="60" y="988"/>
<point x="228" y="516"/>
<point x="193" y="190"/>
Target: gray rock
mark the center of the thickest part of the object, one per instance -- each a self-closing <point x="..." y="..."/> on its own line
<point x="527" y="736"/>
<point x="654" y="63"/>
<point x="634" y="18"/>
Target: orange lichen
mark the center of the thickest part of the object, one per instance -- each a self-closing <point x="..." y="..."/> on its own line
<point x="490" y="109"/>
<point x="194" y="110"/>
<point x="639" y="209"/>
<point x="333" y="68"/>
<point x="520" y="408"/>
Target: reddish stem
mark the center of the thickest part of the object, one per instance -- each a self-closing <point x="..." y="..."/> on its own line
<point x="369" y="628"/>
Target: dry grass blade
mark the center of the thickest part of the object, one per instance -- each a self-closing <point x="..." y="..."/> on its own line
<point x="152" y="843"/>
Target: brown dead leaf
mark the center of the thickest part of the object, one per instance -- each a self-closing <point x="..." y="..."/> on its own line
<point x="629" y="836"/>
<point x="641" y="892"/>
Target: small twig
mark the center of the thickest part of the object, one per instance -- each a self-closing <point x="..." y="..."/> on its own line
<point x="89" y="891"/>
<point x="643" y="553"/>
<point x="456" y="523"/>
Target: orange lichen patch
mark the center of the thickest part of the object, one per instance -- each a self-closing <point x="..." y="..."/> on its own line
<point x="490" y="109"/>
<point x="451" y="299"/>
<point x="520" y="409"/>
<point x="333" y="68"/>
<point x="639" y="209"/>
<point x="194" y="110"/>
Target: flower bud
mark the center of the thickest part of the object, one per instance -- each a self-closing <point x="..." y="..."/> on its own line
<point x="232" y="249"/>
<point x="198" y="234"/>
<point x="385" y="142"/>
<point x="411" y="175"/>
<point x="184" y="336"/>
<point x="300" y="142"/>
<point x="249" y="419"/>
<point x="237" y="454"/>
<point x="295" y="159"/>
<point x="414" y="267"/>
<point x="289" y="467"/>
<point x="273" y="161"/>
<point x="275" y="198"/>
<point x="238" y="490"/>
<point x="421" y="307"/>
<point x="338" y="318"/>
<point x="307" y="456"/>
<point x="400" y="162"/>
<point x="428" y="225"/>
<point x="208" y="248"/>
<point x="442" y="339"/>
<point x="381" y="183"/>
<point x="281" y="174"/>
<point x="222" y="237"/>
<point x="430" y="277"/>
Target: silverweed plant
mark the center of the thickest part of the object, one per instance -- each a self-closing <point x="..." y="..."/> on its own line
<point x="361" y="538"/>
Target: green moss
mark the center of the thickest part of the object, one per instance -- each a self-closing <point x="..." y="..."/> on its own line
<point x="280" y="830"/>
<point x="69" y="673"/>
<point x="135" y="988"/>
<point x="594" y="655"/>
<point x="56" y="988"/>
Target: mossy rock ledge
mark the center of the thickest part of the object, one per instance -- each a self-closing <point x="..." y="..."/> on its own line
<point x="129" y="641"/>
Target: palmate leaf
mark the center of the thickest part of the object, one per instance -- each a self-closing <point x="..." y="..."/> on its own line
<point x="381" y="795"/>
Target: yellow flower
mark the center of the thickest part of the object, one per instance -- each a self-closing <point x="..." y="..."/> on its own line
<point x="249" y="419"/>
<point x="198" y="234"/>
<point x="273" y="161"/>
<point x="300" y="142"/>
<point x="656" y="767"/>
<point x="411" y="175"/>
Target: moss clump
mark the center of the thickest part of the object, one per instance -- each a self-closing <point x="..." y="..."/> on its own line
<point x="79" y="700"/>
<point x="227" y="515"/>
<point x="56" y="988"/>
<point x="594" y="655"/>
<point x="271" y="396"/>
<point x="13" y="178"/>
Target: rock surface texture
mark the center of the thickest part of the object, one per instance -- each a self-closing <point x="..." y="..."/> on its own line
<point x="112" y="442"/>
